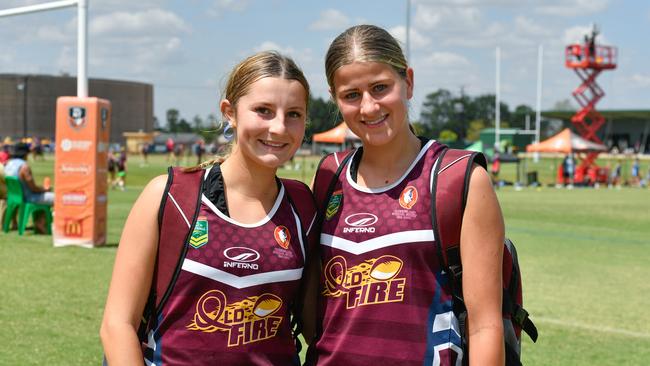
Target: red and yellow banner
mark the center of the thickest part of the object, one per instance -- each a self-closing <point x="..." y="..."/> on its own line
<point x="80" y="177"/>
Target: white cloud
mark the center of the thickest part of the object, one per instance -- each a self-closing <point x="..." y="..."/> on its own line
<point x="429" y="17"/>
<point x="330" y="19"/>
<point x="141" y="57"/>
<point x="156" y="22"/>
<point x="640" y="80"/>
<point x="446" y="59"/>
<point x="417" y="39"/>
<point x="529" y="26"/>
<point x="51" y="33"/>
<point x="66" y="62"/>
<point x="576" y="35"/>
<point x="572" y="8"/>
<point x="459" y="3"/>
<point x="302" y="57"/>
<point x="9" y="4"/>
<point x="6" y="56"/>
<point x="219" y="7"/>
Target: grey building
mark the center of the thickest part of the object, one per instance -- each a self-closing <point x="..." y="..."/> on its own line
<point x="28" y="104"/>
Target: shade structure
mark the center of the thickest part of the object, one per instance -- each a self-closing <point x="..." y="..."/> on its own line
<point x="477" y="146"/>
<point x="336" y="135"/>
<point x="565" y="142"/>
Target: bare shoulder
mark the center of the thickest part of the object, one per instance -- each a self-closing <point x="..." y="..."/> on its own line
<point x="480" y="181"/>
<point x="482" y="209"/>
<point x="155" y="188"/>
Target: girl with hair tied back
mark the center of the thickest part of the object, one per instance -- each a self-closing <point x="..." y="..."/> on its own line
<point x="239" y="280"/>
<point x="384" y="296"/>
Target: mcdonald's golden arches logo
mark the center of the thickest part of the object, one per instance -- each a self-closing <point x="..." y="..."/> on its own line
<point x="73" y="227"/>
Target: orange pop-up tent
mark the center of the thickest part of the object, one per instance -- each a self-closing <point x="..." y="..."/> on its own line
<point x="337" y="135"/>
<point x="565" y="142"/>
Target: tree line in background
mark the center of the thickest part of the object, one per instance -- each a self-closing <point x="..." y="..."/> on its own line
<point x="444" y="116"/>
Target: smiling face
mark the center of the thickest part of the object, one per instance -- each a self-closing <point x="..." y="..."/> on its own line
<point x="269" y="121"/>
<point x="373" y="100"/>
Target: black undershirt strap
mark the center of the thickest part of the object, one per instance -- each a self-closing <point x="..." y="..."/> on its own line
<point x="214" y="189"/>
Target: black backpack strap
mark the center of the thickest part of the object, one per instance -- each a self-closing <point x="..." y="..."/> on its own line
<point x="325" y="182"/>
<point x="301" y="199"/>
<point x="177" y="216"/>
<point x="327" y="174"/>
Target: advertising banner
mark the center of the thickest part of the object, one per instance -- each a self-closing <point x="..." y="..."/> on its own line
<point x="80" y="177"/>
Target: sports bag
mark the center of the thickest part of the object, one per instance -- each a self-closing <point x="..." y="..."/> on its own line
<point x="450" y="187"/>
<point x="449" y="196"/>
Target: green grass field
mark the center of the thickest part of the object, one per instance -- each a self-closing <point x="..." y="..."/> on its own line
<point x="584" y="255"/>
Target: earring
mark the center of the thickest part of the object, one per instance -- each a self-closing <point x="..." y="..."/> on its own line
<point x="228" y="131"/>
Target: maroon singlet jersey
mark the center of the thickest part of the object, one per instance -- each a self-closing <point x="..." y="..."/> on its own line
<point x="385" y="299"/>
<point x="230" y="303"/>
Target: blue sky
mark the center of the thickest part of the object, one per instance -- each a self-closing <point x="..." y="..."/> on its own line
<point x="186" y="48"/>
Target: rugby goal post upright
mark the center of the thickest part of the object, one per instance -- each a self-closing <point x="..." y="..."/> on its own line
<point x="82" y="138"/>
<point x="82" y="33"/>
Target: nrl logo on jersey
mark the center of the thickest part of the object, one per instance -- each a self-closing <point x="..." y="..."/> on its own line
<point x="334" y="204"/>
<point x="200" y="234"/>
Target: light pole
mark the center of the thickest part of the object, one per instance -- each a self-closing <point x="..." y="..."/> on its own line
<point x="23" y="88"/>
<point x="459" y="108"/>
<point x="408" y="31"/>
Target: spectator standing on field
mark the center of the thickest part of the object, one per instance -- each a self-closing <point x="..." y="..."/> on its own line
<point x="121" y="170"/>
<point x="636" y="173"/>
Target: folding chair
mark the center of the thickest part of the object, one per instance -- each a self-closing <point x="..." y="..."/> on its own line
<point x="16" y="204"/>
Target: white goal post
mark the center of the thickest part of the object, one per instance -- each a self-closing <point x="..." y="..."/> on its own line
<point x="82" y="33"/>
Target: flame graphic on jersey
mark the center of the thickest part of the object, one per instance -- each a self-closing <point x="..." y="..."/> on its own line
<point x="282" y="236"/>
<point x="371" y="282"/>
<point x="408" y="197"/>
<point x="246" y="321"/>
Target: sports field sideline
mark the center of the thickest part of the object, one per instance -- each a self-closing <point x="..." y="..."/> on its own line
<point x="585" y="257"/>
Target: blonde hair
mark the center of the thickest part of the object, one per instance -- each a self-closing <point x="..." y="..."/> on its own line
<point x="364" y="43"/>
<point x="253" y="68"/>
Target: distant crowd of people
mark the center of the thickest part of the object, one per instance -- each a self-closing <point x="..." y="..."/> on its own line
<point x="571" y="174"/>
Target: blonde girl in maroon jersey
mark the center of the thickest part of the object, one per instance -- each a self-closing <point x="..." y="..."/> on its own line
<point x="230" y="302"/>
<point x="372" y="83"/>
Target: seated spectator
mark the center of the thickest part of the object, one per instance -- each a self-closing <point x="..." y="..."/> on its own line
<point x="4" y="154"/>
<point x="17" y="166"/>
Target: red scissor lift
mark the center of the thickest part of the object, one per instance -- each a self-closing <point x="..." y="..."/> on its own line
<point x="588" y="60"/>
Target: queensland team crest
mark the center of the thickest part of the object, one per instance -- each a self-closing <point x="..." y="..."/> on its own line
<point x="409" y="197"/>
<point x="200" y="234"/>
<point x="77" y="117"/>
<point x="282" y="236"/>
<point x="334" y="204"/>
